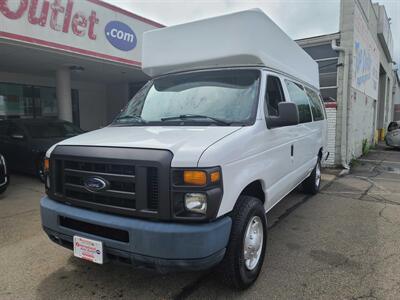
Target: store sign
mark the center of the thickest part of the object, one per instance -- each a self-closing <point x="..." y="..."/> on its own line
<point x="120" y="35"/>
<point x="86" y="27"/>
<point x="365" y="58"/>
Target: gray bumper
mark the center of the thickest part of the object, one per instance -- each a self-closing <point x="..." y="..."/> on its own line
<point x="392" y="140"/>
<point x="159" y="245"/>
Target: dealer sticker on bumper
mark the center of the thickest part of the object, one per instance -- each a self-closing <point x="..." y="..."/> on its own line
<point x="88" y="249"/>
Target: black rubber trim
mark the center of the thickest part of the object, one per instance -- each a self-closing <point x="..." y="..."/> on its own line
<point x="103" y="231"/>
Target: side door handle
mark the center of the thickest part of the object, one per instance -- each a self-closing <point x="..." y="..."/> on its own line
<point x="291" y="150"/>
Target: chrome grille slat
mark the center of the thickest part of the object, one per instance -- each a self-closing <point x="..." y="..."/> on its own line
<point x="111" y="176"/>
<point x="112" y="193"/>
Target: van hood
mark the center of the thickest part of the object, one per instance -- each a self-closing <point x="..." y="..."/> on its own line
<point x="186" y="143"/>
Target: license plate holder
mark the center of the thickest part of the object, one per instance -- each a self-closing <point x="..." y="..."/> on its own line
<point x="88" y="249"/>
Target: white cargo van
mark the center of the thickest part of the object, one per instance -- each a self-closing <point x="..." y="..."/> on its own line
<point x="231" y="122"/>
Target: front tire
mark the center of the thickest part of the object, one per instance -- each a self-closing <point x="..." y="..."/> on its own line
<point x="313" y="182"/>
<point x="245" y="253"/>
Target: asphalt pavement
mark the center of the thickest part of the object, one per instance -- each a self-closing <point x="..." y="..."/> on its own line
<point x="343" y="243"/>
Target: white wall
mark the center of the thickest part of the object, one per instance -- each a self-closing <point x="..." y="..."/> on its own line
<point x="92" y="104"/>
<point x="362" y="122"/>
<point x="331" y="147"/>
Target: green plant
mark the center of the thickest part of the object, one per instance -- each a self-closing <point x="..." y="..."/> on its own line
<point x="365" y="147"/>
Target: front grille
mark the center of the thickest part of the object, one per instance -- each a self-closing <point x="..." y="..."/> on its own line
<point x="132" y="187"/>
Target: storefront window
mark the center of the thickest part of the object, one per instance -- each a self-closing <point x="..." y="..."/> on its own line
<point x="24" y="101"/>
<point x="329" y="94"/>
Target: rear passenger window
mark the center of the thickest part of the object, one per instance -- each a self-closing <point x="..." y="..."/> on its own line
<point x="316" y="106"/>
<point x="299" y="96"/>
<point x="273" y="95"/>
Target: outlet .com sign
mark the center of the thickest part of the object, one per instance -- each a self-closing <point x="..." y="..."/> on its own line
<point x="87" y="27"/>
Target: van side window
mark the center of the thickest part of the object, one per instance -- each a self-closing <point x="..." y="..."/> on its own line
<point x="299" y="96"/>
<point x="273" y="95"/>
<point x="316" y="106"/>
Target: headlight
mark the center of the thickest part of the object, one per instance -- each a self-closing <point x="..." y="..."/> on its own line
<point x="196" y="202"/>
<point x="196" y="192"/>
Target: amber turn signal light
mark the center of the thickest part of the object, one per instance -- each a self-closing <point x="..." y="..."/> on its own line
<point x="195" y="177"/>
<point x="46" y="165"/>
<point x="215" y="176"/>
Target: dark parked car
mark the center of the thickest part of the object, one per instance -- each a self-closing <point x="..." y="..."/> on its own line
<point x="24" y="142"/>
<point x="4" y="179"/>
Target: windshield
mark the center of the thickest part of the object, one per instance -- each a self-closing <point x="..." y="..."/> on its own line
<point x="223" y="98"/>
<point x="48" y="130"/>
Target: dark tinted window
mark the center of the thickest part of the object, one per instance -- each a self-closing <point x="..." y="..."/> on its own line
<point x="273" y="95"/>
<point x="316" y="106"/>
<point x="299" y="96"/>
<point x="393" y="126"/>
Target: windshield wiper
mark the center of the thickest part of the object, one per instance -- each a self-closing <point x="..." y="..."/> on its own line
<point x="189" y="116"/>
<point x="128" y="117"/>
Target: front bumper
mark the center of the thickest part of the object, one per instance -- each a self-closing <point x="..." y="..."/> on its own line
<point x="159" y="245"/>
<point x="392" y="140"/>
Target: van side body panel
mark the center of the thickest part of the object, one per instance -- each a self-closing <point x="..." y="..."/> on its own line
<point x="258" y="153"/>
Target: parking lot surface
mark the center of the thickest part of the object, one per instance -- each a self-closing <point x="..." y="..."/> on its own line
<point x="343" y="243"/>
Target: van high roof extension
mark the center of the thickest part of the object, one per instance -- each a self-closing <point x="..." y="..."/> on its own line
<point x="247" y="38"/>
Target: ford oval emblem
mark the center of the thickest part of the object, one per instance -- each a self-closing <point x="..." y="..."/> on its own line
<point x="95" y="184"/>
<point x="120" y="35"/>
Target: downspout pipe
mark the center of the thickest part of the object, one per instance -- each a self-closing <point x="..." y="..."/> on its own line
<point x="344" y="105"/>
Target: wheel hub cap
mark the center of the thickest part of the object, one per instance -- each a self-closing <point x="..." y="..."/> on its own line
<point x="253" y="241"/>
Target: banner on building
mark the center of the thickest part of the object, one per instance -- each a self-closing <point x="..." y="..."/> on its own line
<point x="365" y="58"/>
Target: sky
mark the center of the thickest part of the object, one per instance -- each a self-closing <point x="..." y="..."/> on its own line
<point x="298" y="18"/>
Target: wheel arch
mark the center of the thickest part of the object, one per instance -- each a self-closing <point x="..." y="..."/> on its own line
<point x="254" y="189"/>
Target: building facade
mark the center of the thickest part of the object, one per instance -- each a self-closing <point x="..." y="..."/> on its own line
<point x="79" y="60"/>
<point x="359" y="82"/>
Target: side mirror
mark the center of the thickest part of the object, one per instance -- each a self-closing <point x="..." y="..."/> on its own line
<point x="17" y="136"/>
<point x="288" y="115"/>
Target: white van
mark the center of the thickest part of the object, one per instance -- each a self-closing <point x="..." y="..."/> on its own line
<point x="231" y="122"/>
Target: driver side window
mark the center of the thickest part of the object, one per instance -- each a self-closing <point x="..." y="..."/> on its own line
<point x="273" y="96"/>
